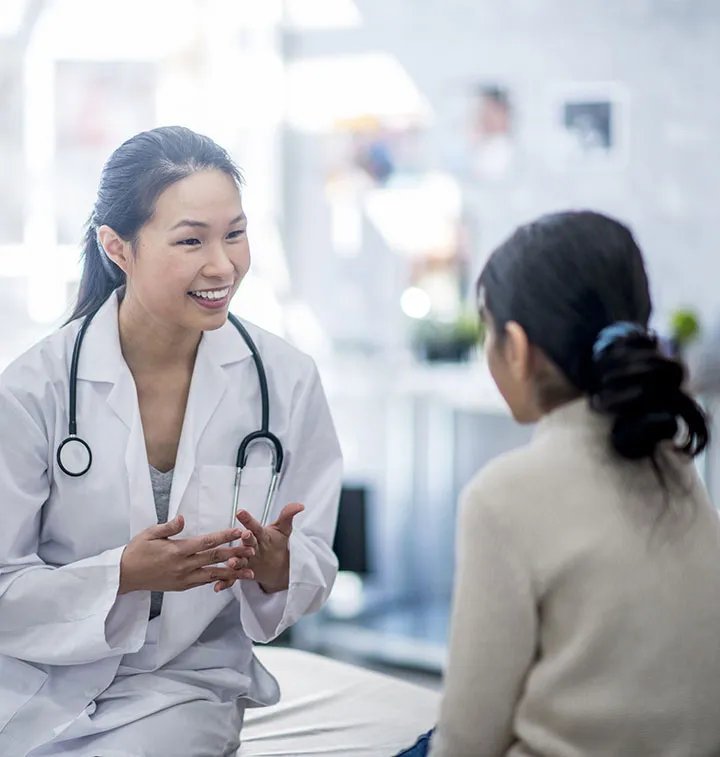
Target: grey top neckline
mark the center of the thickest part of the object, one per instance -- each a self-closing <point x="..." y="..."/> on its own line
<point x="161" y="484"/>
<point x="160" y="473"/>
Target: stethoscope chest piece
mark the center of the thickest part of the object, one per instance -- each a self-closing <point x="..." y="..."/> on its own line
<point x="74" y="456"/>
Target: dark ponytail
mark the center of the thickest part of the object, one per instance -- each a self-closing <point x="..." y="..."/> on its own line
<point x="132" y="180"/>
<point x="641" y="390"/>
<point x="576" y="283"/>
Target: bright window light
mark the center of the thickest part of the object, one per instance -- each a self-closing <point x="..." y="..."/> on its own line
<point x="320" y="100"/>
<point x="47" y="299"/>
<point x="11" y="13"/>
<point x="322" y="14"/>
<point x="112" y="30"/>
<point x="256" y="13"/>
<point x="415" y="303"/>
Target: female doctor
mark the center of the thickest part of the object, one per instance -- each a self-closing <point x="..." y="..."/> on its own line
<point x="129" y="598"/>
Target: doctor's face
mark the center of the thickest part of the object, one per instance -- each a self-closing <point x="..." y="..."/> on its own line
<point x="192" y="254"/>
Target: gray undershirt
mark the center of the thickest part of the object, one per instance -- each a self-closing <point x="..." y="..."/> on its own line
<point x="161" y="483"/>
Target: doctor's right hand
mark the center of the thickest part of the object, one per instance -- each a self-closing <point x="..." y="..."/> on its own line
<point x="153" y="561"/>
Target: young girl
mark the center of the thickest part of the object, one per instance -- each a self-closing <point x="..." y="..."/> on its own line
<point x="586" y="617"/>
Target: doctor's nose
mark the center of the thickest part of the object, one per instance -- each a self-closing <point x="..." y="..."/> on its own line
<point x="218" y="264"/>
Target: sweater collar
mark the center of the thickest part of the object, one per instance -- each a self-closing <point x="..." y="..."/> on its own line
<point x="577" y="415"/>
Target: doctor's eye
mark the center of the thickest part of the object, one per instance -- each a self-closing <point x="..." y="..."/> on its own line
<point x="191" y="242"/>
<point x="237" y="234"/>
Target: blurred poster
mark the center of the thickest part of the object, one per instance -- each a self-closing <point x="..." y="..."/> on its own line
<point x="98" y="106"/>
<point x="491" y="132"/>
<point x="374" y="149"/>
<point x="590" y="126"/>
<point x="366" y="155"/>
<point x="11" y="157"/>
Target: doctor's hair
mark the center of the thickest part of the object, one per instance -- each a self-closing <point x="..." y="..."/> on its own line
<point x="565" y="278"/>
<point x="133" y="178"/>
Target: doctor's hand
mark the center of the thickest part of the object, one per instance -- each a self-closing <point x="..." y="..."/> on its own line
<point x="153" y="561"/>
<point x="271" y="563"/>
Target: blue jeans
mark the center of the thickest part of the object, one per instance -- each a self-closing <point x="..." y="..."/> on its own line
<point x="420" y="749"/>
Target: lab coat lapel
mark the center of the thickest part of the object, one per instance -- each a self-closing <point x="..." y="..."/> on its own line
<point x="122" y="399"/>
<point x="124" y="403"/>
<point x="101" y="362"/>
<point x="142" y="503"/>
<point x="217" y="350"/>
<point x="207" y="388"/>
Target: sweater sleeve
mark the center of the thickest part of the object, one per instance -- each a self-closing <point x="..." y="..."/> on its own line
<point x="492" y="641"/>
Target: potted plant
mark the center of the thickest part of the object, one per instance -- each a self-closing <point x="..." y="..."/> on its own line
<point x="684" y="330"/>
<point x="438" y="341"/>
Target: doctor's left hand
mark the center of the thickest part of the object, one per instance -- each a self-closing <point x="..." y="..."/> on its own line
<point x="271" y="563"/>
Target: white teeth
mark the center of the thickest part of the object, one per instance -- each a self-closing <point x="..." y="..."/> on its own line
<point x="212" y="294"/>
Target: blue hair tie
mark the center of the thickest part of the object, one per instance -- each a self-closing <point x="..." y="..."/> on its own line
<point x="613" y="332"/>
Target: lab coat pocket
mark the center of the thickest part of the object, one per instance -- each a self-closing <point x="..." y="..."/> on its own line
<point x="20" y="682"/>
<point x="217" y="485"/>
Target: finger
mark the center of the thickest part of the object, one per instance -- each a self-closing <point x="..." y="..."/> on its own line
<point x="238" y="563"/>
<point x="244" y="575"/>
<point x="166" y="530"/>
<point x="203" y="576"/>
<point x="221" y="555"/>
<point x="284" y="523"/>
<point x="251" y="524"/>
<point x="249" y="540"/>
<point x="209" y="541"/>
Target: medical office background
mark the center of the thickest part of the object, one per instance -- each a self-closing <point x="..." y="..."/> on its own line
<point x="387" y="146"/>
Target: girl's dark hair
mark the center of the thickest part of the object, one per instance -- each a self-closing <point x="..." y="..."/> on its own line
<point x="132" y="180"/>
<point x="566" y="277"/>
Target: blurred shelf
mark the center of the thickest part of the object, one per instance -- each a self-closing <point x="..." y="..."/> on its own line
<point x="409" y="634"/>
<point x="461" y="386"/>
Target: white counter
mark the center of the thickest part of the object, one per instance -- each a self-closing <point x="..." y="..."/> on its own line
<point x="465" y="386"/>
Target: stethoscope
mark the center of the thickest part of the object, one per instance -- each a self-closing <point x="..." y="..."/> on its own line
<point x="74" y="456"/>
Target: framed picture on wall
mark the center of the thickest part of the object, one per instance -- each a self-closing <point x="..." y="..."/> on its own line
<point x="589" y="126"/>
<point x="98" y="105"/>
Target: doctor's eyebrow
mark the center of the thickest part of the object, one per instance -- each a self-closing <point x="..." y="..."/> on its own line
<point x="202" y="225"/>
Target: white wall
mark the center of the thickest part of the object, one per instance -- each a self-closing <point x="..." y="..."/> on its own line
<point x="665" y="54"/>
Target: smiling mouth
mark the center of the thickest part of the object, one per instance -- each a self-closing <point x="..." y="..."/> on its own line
<point x="210" y="295"/>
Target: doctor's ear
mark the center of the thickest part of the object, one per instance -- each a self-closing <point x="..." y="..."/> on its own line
<point x="115" y="247"/>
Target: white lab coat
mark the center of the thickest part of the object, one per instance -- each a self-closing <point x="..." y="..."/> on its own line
<point x="81" y="666"/>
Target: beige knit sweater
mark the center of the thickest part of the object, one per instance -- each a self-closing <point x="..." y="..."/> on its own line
<point x="585" y="624"/>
